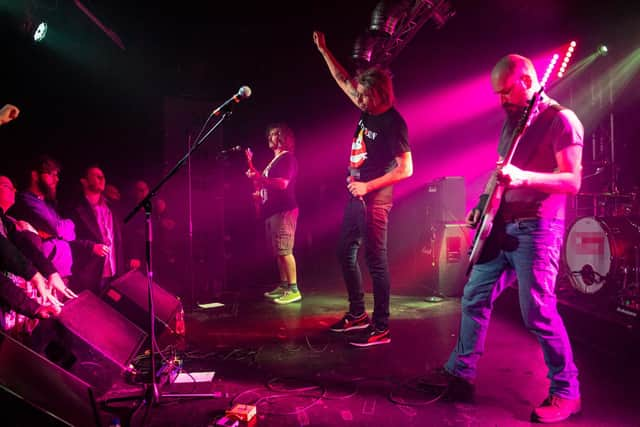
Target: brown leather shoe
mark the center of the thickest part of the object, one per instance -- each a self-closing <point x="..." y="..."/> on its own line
<point x="555" y="408"/>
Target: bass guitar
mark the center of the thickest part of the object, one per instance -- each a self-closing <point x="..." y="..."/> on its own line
<point x="498" y="187"/>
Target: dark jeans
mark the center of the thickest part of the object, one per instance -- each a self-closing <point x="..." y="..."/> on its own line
<point x="366" y="224"/>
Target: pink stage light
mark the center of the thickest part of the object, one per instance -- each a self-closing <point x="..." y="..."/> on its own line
<point x="567" y="58"/>
<point x="448" y="107"/>
<point x="549" y="70"/>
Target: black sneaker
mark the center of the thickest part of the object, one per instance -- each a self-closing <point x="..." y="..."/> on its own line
<point x="458" y="389"/>
<point x="372" y="337"/>
<point x="351" y="323"/>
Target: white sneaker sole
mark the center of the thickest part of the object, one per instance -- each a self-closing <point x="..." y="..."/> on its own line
<point x="359" y="344"/>
<point x="352" y="328"/>
<point x="287" y="302"/>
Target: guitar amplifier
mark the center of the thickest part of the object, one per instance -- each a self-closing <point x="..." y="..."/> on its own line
<point x="452" y="246"/>
<point x="445" y="200"/>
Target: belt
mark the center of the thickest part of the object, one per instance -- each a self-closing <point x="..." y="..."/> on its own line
<point x="509" y="218"/>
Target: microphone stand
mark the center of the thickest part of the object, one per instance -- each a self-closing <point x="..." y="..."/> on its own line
<point x="152" y="394"/>
<point x="190" y="226"/>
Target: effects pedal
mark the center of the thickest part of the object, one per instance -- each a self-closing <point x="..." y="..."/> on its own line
<point x="139" y="371"/>
<point x="226" y="422"/>
<point x="242" y="412"/>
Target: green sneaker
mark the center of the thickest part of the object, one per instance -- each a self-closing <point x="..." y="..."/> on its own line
<point x="277" y="292"/>
<point x="288" y="297"/>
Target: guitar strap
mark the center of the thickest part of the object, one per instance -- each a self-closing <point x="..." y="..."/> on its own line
<point x="526" y="151"/>
<point x="272" y="162"/>
<point x="265" y="172"/>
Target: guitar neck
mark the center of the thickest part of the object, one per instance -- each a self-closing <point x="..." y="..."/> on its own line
<point x="497" y="188"/>
<point x="523" y="124"/>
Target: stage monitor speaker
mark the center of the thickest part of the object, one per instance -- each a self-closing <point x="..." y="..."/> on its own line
<point x="101" y="339"/>
<point x="445" y="200"/>
<point x="129" y="294"/>
<point x="453" y="242"/>
<point x="36" y="391"/>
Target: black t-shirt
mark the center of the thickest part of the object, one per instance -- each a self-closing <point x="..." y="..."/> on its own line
<point x="377" y="141"/>
<point x="554" y="129"/>
<point x="285" y="166"/>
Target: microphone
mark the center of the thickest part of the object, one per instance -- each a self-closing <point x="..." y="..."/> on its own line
<point x="231" y="150"/>
<point x="243" y="93"/>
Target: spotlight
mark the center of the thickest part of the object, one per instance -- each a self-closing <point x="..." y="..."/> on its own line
<point x="34" y="25"/>
<point x="40" y="32"/>
<point x="603" y="50"/>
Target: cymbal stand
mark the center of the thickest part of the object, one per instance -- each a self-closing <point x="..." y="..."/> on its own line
<point x="613" y="185"/>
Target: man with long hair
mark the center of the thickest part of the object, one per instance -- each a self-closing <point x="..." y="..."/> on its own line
<point x="380" y="157"/>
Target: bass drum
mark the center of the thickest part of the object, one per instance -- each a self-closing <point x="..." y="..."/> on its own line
<point x="601" y="252"/>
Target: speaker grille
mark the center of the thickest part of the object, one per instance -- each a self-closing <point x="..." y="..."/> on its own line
<point x="103" y="327"/>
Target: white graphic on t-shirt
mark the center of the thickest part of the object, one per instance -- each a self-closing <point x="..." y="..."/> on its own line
<point x="358" y="150"/>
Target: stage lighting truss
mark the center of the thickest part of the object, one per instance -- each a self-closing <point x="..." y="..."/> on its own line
<point x="394" y="23"/>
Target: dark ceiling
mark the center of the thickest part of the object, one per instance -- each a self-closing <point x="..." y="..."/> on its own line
<point x="80" y="89"/>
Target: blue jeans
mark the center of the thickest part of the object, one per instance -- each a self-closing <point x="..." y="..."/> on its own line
<point x="366" y="223"/>
<point x="532" y="259"/>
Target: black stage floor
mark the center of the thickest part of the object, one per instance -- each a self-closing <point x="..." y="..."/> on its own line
<point x="283" y="360"/>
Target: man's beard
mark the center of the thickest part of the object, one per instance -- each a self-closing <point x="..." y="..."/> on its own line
<point x="95" y="189"/>
<point x="514" y="113"/>
<point x="48" y="192"/>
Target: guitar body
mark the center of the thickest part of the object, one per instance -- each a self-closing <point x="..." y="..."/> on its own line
<point x="485" y="225"/>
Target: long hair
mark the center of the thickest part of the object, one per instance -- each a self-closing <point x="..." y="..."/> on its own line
<point x="288" y="137"/>
<point x="378" y="79"/>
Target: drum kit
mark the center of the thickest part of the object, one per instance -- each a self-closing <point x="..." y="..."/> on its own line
<point x="602" y="248"/>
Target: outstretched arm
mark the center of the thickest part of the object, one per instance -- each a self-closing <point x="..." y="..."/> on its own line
<point x="339" y="73"/>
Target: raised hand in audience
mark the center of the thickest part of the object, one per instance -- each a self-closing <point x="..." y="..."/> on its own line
<point x="8" y="113"/>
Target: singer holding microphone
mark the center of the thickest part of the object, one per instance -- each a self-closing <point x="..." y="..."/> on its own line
<point x="380" y="157"/>
<point x="276" y="194"/>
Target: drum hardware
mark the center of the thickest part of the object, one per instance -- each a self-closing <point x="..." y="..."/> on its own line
<point x="629" y="295"/>
<point x="607" y="203"/>
<point x="600" y="253"/>
<point x="589" y="276"/>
